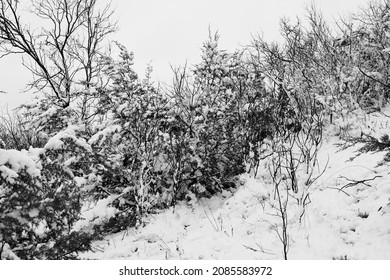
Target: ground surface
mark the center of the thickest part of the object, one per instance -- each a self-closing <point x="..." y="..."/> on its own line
<point x="353" y="223"/>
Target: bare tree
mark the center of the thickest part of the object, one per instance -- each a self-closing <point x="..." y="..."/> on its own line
<point x="64" y="56"/>
<point x="281" y="196"/>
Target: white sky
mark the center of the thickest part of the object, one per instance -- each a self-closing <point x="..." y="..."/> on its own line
<point x="166" y="32"/>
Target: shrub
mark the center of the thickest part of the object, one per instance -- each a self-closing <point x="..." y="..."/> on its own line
<point x="41" y="201"/>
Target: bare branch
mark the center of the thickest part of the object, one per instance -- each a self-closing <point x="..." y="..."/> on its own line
<point x="66" y="54"/>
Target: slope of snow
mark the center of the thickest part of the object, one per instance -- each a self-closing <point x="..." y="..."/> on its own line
<point x="352" y="223"/>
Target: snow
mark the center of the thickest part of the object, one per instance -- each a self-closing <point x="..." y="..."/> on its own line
<point x="17" y="160"/>
<point x="56" y="142"/>
<point x="7" y="253"/>
<point x="101" y="211"/>
<point x="33" y="213"/>
<point x="102" y="135"/>
<point x="80" y="181"/>
<point x="352" y="223"/>
<point x="8" y="174"/>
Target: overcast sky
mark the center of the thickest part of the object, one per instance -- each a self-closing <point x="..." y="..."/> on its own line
<point x="166" y="32"/>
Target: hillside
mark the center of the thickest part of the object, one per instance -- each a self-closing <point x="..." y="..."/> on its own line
<point x="274" y="150"/>
<point x="353" y="223"/>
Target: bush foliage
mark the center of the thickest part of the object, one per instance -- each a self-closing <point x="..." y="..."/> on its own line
<point x="98" y="157"/>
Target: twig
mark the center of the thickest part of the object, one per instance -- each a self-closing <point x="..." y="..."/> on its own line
<point x="98" y="248"/>
<point x="215" y="224"/>
<point x="165" y="244"/>
<point x="353" y="183"/>
<point x="342" y="169"/>
<point x="340" y="190"/>
<point x="255" y="250"/>
<point x="262" y="249"/>
<point x="250" y="248"/>
<point x="374" y="79"/>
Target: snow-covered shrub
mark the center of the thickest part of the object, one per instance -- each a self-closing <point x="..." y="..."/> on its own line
<point x="210" y="117"/>
<point x="126" y="144"/>
<point x="19" y="201"/>
<point x="45" y="118"/>
<point x="152" y="149"/>
<point x="371" y="144"/>
<point x="40" y="200"/>
<point x="56" y="197"/>
<point x="358" y="77"/>
<point x="371" y="55"/>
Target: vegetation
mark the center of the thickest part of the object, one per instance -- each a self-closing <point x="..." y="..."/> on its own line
<point x="99" y="137"/>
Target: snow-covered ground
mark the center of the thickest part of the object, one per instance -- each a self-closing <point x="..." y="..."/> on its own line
<point x="350" y="224"/>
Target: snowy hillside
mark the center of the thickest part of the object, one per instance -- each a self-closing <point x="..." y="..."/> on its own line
<point x="274" y="150"/>
<point x="351" y="223"/>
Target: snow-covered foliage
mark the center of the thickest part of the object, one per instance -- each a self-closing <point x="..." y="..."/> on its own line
<point x="235" y="145"/>
<point x="241" y="224"/>
<point x="370" y="41"/>
<point x="40" y="200"/>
